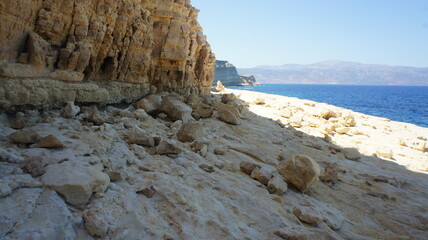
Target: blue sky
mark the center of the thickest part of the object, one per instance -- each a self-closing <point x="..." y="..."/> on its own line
<point x="249" y="33"/>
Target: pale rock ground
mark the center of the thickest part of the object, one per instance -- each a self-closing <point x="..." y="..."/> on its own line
<point x="167" y="189"/>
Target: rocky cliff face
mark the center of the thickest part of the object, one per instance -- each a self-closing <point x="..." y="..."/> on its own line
<point x="100" y="51"/>
<point x="228" y="75"/>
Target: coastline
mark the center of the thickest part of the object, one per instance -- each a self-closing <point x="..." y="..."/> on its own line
<point x="371" y="134"/>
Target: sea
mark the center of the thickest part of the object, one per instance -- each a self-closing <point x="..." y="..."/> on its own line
<point x="399" y="103"/>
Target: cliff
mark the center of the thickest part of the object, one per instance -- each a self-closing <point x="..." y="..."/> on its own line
<point x="100" y="51"/>
<point x="228" y="75"/>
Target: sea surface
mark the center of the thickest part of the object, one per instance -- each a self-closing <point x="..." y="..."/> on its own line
<point x="399" y="103"/>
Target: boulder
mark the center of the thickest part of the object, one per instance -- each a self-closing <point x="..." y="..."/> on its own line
<point x="95" y="224"/>
<point x="227" y="113"/>
<point x="24" y="136"/>
<point x="149" y="104"/>
<point x="228" y="98"/>
<point x="190" y="131"/>
<point x="300" y="170"/>
<point x="277" y="185"/>
<point x="176" y="109"/>
<point x="76" y="181"/>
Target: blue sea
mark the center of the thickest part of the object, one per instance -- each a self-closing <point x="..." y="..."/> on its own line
<point x="399" y="103"/>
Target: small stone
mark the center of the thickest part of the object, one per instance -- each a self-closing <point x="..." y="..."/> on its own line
<point x="263" y="175"/>
<point x="286" y="113"/>
<point x="300" y="170"/>
<point x="277" y="185"/>
<point x="351" y="154"/>
<point x="49" y="141"/>
<point x="219" y="151"/>
<point x="95" y="117"/>
<point x="70" y="110"/>
<point x="24" y="136"/>
<point x="207" y="168"/>
<point x="247" y="167"/>
<point x="140" y="114"/>
<point x="113" y="175"/>
<point x="383" y="152"/>
<point x="348" y="121"/>
<point x="330" y="173"/>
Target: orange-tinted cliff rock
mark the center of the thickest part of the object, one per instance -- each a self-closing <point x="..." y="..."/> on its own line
<point x="100" y="50"/>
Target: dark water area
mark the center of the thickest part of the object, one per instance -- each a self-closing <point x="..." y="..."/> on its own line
<point x="399" y="103"/>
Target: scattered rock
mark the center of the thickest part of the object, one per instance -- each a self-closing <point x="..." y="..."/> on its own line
<point x="24" y="136"/>
<point x="190" y="131"/>
<point x="220" y="86"/>
<point x="330" y="173"/>
<point x="220" y="151"/>
<point x="202" y="111"/>
<point x="342" y="130"/>
<point x="140" y="114"/>
<point x="384" y="152"/>
<point x="95" y="225"/>
<point x="70" y="110"/>
<point x="166" y="147"/>
<point x="263" y="175"/>
<point x="247" y="167"/>
<point x="228" y="98"/>
<point x="348" y="121"/>
<point x="207" y="168"/>
<point x="76" y="181"/>
<point x="277" y="185"/>
<point x="300" y="170"/>
<point x="49" y="141"/>
<point x="419" y="145"/>
<point x="259" y="101"/>
<point x="150" y="104"/>
<point x="228" y="117"/>
<point x="351" y="154"/>
<point x="148" y="191"/>
<point x="95" y="117"/>
<point x="307" y="215"/>
<point x="137" y="135"/>
<point x="286" y="113"/>
<point x="176" y="109"/>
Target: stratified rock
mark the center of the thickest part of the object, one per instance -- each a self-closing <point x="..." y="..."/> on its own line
<point x="24" y="136"/>
<point x="76" y="181"/>
<point x="150" y="104"/>
<point x="277" y="185"/>
<point x="351" y="154"/>
<point x="176" y="109"/>
<point x="228" y="75"/>
<point x="190" y="131"/>
<point x="300" y="170"/>
<point x="263" y="175"/>
<point x="49" y="141"/>
<point x="119" y="50"/>
<point x="71" y="110"/>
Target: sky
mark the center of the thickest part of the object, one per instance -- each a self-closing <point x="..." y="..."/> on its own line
<point x="251" y="33"/>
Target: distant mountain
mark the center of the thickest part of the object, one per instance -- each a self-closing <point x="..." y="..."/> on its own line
<point x="339" y="72"/>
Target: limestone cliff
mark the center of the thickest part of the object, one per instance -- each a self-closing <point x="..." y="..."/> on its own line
<point x="228" y="75"/>
<point x="100" y="50"/>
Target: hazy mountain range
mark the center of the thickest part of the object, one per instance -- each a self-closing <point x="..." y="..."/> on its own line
<point x="339" y="72"/>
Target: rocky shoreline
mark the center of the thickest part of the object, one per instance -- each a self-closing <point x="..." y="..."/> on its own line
<point x="233" y="165"/>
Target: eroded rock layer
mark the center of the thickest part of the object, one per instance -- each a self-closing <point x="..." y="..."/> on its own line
<point x="91" y="45"/>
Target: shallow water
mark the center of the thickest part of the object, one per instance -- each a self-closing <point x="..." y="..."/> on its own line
<point x="399" y="103"/>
